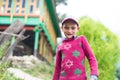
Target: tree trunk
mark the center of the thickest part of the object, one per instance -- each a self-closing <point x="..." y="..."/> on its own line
<point x="10" y="49"/>
<point x="14" y="28"/>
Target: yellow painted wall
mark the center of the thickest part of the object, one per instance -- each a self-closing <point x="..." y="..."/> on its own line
<point x="45" y="49"/>
<point x="18" y="9"/>
<point x="49" y="24"/>
<point x="0" y="6"/>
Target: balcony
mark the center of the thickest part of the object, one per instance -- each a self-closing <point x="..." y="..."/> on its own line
<point x="28" y="11"/>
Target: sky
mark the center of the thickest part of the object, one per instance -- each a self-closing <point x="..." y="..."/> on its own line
<point x="105" y="11"/>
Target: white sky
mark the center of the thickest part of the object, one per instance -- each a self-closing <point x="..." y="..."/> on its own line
<point x="106" y="11"/>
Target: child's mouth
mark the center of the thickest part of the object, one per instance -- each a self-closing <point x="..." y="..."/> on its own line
<point x="68" y="34"/>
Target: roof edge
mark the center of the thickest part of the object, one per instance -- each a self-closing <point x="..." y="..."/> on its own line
<point x="53" y="16"/>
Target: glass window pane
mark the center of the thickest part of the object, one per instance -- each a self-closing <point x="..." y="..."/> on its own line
<point x="4" y="0"/>
<point x="18" y="0"/>
<point x="8" y="11"/>
<point x="23" y="3"/>
<point x="17" y="8"/>
<point x="37" y="3"/>
<point x="32" y="0"/>
<point x="3" y="9"/>
<point x="9" y="3"/>
<point x="31" y="9"/>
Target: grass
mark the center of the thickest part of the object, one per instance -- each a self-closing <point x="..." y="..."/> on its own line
<point x="5" y="75"/>
<point x="41" y="71"/>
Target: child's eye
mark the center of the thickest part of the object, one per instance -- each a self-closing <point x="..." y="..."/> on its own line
<point x="66" y="27"/>
<point x="73" y="28"/>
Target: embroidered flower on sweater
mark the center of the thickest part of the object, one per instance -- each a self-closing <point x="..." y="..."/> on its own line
<point x="69" y="63"/>
<point x="63" y="73"/>
<point x="76" y="53"/>
<point x="67" y="46"/>
<point x="77" y="71"/>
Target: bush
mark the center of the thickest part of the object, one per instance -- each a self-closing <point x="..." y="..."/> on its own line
<point x="104" y="44"/>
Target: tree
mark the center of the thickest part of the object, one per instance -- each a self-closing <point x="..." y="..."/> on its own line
<point x="61" y="16"/>
<point x="104" y="44"/>
<point x="117" y="73"/>
<point x="61" y="2"/>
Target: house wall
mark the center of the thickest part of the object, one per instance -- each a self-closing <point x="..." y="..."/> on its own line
<point x="49" y="24"/>
<point x="45" y="49"/>
<point x="20" y="7"/>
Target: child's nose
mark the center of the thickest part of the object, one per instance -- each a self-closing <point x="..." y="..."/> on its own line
<point x="69" y="30"/>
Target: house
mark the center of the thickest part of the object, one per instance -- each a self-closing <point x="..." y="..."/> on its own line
<point x="41" y="23"/>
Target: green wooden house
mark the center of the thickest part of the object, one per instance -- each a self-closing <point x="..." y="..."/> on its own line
<point x="39" y="17"/>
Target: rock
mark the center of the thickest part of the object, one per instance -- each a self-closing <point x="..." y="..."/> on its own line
<point x="24" y="61"/>
<point x="20" y="74"/>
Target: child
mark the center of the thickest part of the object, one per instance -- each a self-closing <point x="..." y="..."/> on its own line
<point x="71" y="53"/>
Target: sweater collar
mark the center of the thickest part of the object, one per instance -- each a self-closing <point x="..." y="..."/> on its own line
<point x="73" y="37"/>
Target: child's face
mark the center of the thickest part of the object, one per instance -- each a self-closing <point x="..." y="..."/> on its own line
<point x="70" y="28"/>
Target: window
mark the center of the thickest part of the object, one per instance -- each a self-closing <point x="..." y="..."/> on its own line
<point x="31" y="9"/>
<point x="32" y="0"/>
<point x="17" y="8"/>
<point x="22" y="11"/>
<point x="3" y="9"/>
<point x="37" y="3"/>
<point x="8" y="11"/>
<point x="9" y="3"/>
<point x="23" y="3"/>
<point x="4" y="0"/>
<point x="18" y="0"/>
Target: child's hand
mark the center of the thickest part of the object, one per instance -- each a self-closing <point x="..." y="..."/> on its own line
<point x="92" y="79"/>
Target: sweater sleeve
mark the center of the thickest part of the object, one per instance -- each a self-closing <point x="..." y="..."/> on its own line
<point x="90" y="56"/>
<point x="57" y="68"/>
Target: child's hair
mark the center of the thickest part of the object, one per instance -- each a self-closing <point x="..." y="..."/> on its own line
<point x="70" y="19"/>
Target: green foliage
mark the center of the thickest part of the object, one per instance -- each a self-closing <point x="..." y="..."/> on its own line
<point x="117" y="73"/>
<point x="3" y="48"/>
<point x="8" y="76"/>
<point x="61" y="16"/>
<point x="41" y="71"/>
<point x="104" y="44"/>
<point x="61" y="2"/>
<point x="3" y="66"/>
<point x="5" y="75"/>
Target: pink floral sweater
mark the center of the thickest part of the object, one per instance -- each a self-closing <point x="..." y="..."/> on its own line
<point x="70" y="60"/>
